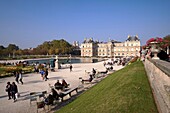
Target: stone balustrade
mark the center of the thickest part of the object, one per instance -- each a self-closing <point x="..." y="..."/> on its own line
<point x="158" y="72"/>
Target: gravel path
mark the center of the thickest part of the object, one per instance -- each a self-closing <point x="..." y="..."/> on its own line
<point x="34" y="82"/>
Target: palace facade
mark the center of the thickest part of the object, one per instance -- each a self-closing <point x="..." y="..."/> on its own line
<point x="130" y="48"/>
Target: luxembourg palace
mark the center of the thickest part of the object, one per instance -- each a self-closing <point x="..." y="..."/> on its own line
<point x="130" y="48"/>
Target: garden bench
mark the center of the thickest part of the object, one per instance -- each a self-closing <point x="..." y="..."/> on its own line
<point x="68" y="92"/>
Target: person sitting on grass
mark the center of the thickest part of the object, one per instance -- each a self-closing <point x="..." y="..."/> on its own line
<point x="88" y="80"/>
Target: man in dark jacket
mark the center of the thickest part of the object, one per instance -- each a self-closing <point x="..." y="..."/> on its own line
<point x="8" y="89"/>
<point x="14" y="90"/>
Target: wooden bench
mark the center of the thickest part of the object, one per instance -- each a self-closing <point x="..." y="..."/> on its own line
<point x="68" y="92"/>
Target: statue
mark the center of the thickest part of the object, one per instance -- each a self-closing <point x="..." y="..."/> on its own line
<point x="57" y="65"/>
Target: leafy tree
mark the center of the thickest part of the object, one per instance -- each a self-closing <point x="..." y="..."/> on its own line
<point x="12" y="47"/>
<point x="48" y="47"/>
<point x="2" y="47"/>
<point x="167" y="40"/>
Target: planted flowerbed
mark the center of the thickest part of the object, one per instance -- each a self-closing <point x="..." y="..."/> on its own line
<point x="9" y="70"/>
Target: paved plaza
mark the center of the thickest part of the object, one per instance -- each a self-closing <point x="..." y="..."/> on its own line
<point x="33" y="82"/>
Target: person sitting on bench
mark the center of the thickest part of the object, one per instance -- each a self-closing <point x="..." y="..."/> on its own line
<point x="54" y="94"/>
<point x="64" y="84"/>
<point x="49" y="100"/>
<point x="88" y="80"/>
<point x="93" y="72"/>
<point x="58" y="85"/>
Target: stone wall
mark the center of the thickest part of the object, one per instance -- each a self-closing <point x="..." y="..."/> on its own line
<point x="158" y="74"/>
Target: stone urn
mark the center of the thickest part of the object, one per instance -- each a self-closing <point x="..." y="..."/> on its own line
<point x="155" y="49"/>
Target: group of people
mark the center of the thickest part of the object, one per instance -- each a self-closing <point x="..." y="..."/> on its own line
<point x="12" y="91"/>
<point x="62" y="85"/>
<point x="54" y="95"/>
<point x="91" y="76"/>
<point x="18" y="76"/>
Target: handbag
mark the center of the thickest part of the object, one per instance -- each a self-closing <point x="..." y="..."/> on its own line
<point x="40" y="104"/>
<point x="6" y="89"/>
<point x="17" y="95"/>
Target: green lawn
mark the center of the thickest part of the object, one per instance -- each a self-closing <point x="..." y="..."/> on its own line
<point x="125" y="91"/>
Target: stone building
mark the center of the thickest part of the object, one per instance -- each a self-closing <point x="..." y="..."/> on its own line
<point x="88" y="48"/>
<point x="75" y="44"/>
<point x="131" y="47"/>
<point x="105" y="49"/>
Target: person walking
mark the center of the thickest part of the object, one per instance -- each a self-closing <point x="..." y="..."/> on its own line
<point x="71" y="67"/>
<point x="14" y="90"/>
<point x="20" y="77"/>
<point x="46" y="74"/>
<point x="8" y="90"/>
<point x="17" y="77"/>
<point x="42" y="72"/>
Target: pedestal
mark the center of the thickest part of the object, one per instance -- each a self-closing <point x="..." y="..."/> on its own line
<point x="155" y="56"/>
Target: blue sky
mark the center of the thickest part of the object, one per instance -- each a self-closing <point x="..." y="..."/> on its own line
<point x="28" y="23"/>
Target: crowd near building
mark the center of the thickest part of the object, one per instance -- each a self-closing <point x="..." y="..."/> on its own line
<point x="130" y="48"/>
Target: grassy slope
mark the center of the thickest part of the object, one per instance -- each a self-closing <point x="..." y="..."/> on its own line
<point x="125" y="91"/>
